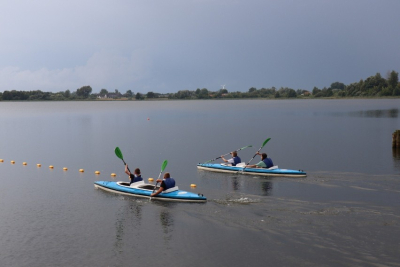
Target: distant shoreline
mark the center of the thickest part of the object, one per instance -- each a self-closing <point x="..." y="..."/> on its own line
<point x="211" y="99"/>
<point x="374" y="87"/>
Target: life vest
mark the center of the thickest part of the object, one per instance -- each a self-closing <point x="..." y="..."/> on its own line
<point x="268" y="162"/>
<point x="169" y="183"/>
<point x="236" y="160"/>
<point x="136" y="178"/>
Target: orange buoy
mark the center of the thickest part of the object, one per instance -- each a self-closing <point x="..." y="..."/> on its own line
<point x="24" y="163"/>
<point x="12" y="162"/>
<point x="39" y="165"/>
<point x="51" y="167"/>
<point x="1" y="160"/>
<point x="192" y="185"/>
<point x="113" y="174"/>
<point x="97" y="172"/>
<point x="81" y="170"/>
<point x="65" y="169"/>
<point x="151" y="179"/>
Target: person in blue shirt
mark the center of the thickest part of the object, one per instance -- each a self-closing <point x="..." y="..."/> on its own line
<point x="135" y="177"/>
<point x="166" y="184"/>
<point x="234" y="160"/>
<point x="264" y="163"/>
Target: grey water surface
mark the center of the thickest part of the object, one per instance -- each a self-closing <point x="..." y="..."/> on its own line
<point x="344" y="213"/>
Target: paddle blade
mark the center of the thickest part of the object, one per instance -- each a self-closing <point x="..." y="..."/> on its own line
<point x="265" y="142"/>
<point x="164" y="165"/>
<point x="118" y="153"/>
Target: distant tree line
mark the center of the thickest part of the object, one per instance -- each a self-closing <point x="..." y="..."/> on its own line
<point x="83" y="93"/>
<point x="373" y="86"/>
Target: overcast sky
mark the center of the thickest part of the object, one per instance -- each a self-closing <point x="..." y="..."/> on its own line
<point x="171" y="45"/>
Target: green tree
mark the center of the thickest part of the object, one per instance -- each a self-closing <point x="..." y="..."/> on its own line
<point x="204" y="94"/>
<point x="129" y="93"/>
<point x="84" y="91"/>
<point x="151" y="95"/>
<point x="387" y="91"/>
<point x="393" y="79"/>
<point x="291" y="93"/>
<point x="15" y="95"/>
<point x="103" y="92"/>
<point x="138" y="96"/>
<point x="374" y="82"/>
<point x="337" y="85"/>
<point x="315" y="90"/>
<point x="67" y="93"/>
<point x="252" y="89"/>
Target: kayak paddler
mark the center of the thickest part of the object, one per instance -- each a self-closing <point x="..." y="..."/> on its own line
<point x="135" y="176"/>
<point x="234" y="160"/>
<point x="166" y="183"/>
<point x="264" y="163"/>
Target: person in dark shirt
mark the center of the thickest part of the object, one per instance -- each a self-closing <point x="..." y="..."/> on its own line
<point x="166" y="183"/>
<point x="234" y="160"/>
<point x="264" y="163"/>
<point x="133" y="177"/>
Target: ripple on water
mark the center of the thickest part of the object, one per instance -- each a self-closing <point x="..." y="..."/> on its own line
<point x="236" y="200"/>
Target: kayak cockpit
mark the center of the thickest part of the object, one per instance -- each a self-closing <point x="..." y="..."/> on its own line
<point x="139" y="185"/>
<point x="242" y="164"/>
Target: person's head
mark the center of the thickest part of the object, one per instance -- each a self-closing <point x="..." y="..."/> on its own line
<point x="166" y="175"/>
<point x="234" y="154"/>
<point x="137" y="171"/>
<point x="263" y="156"/>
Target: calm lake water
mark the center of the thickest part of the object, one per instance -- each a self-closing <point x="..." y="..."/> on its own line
<point x="344" y="213"/>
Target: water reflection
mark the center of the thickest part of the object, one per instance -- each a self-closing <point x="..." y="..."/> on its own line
<point x="235" y="184"/>
<point x="396" y="157"/>
<point x="167" y="222"/>
<point x="247" y="184"/>
<point x="377" y="113"/>
<point x="266" y="187"/>
<point x="373" y="113"/>
<point x="396" y="153"/>
<point x="124" y="217"/>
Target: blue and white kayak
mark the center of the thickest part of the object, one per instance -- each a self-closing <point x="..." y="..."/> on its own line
<point x="142" y="189"/>
<point x="239" y="169"/>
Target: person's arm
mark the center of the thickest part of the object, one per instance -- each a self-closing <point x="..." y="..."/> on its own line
<point x="158" y="191"/>
<point x="222" y="157"/>
<point x="251" y="166"/>
<point x="261" y="164"/>
<point x="126" y="170"/>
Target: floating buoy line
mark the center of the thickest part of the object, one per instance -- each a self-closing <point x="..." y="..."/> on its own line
<point x="51" y="167"/>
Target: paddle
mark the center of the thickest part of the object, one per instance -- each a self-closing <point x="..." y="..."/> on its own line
<point x="265" y="142"/>
<point x="119" y="155"/>
<point x="163" y="166"/>
<point x="227" y="154"/>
